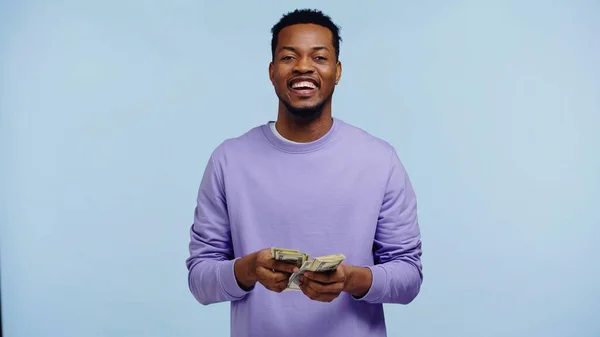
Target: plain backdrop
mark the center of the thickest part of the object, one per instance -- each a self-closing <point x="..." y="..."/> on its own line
<point x="110" y="109"/>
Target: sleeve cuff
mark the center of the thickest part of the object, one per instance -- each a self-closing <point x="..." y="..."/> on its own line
<point x="228" y="280"/>
<point x="378" y="282"/>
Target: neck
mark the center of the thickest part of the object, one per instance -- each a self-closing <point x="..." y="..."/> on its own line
<point x="303" y="131"/>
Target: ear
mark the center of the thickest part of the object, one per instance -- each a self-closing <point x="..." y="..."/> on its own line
<point x="338" y="72"/>
<point x="271" y="72"/>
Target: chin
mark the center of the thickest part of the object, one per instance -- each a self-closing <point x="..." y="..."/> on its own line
<point x="305" y="111"/>
<point x="306" y="114"/>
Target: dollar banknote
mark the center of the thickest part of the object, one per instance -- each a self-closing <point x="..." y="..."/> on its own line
<point x="320" y="264"/>
<point x="302" y="261"/>
<point x="290" y="256"/>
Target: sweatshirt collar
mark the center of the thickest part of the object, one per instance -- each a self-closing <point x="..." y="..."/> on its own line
<point x="290" y="147"/>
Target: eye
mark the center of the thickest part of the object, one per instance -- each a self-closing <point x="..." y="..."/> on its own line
<point x="287" y="58"/>
<point x="321" y="58"/>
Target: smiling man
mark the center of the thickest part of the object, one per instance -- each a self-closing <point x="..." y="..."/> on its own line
<point x="311" y="182"/>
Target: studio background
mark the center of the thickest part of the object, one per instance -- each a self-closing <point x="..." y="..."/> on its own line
<point x="110" y="109"/>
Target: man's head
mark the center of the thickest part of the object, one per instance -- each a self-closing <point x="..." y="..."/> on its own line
<point x="305" y="65"/>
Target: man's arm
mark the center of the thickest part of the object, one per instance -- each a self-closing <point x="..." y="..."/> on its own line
<point x="397" y="274"/>
<point x="211" y="266"/>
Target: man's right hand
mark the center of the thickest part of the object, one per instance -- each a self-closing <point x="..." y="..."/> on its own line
<point x="262" y="267"/>
<point x="273" y="274"/>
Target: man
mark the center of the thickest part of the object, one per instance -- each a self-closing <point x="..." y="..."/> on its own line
<point x="313" y="183"/>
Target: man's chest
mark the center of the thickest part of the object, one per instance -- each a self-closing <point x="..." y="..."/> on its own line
<point x="311" y="200"/>
<point x="306" y="186"/>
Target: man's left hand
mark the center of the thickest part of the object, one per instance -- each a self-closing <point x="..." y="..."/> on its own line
<point x="324" y="286"/>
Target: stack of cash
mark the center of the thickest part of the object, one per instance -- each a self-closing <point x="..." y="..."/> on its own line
<point x="319" y="264"/>
<point x="290" y="256"/>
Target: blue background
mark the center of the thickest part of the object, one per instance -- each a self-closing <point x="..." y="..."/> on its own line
<point x="110" y="109"/>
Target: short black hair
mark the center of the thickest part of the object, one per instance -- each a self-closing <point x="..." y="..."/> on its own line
<point x="300" y="16"/>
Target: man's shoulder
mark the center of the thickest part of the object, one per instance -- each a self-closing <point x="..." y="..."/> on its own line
<point x="239" y="144"/>
<point x="363" y="140"/>
<point x="371" y="148"/>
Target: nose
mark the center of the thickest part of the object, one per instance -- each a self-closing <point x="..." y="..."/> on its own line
<point x="304" y="65"/>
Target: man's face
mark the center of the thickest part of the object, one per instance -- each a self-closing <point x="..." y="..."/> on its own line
<point x="304" y="70"/>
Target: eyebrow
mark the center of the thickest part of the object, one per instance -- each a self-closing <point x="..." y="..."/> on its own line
<point x="313" y="48"/>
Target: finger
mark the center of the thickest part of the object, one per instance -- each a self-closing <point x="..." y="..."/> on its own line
<point x="323" y="288"/>
<point x="280" y="266"/>
<point x="309" y="292"/>
<point x="325" y="277"/>
<point x="273" y="277"/>
<point x="277" y="286"/>
<point x="277" y="277"/>
<point x="280" y="283"/>
<point x="280" y="277"/>
<point x="273" y="282"/>
<point x="316" y="296"/>
<point x="318" y="277"/>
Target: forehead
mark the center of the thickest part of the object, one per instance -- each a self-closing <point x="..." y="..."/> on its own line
<point x="305" y="35"/>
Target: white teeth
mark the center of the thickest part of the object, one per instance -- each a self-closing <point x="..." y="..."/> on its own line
<point x="304" y="84"/>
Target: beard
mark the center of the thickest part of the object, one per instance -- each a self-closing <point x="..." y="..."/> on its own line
<point x="306" y="114"/>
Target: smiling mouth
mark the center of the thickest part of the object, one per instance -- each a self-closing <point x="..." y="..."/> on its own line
<point x="303" y="87"/>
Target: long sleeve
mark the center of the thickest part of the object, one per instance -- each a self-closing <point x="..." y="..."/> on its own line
<point x="397" y="274"/>
<point x="211" y="276"/>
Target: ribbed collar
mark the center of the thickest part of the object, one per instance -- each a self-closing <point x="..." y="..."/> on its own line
<point x="282" y="145"/>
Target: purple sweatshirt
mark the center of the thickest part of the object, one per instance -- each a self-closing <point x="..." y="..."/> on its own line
<point x="346" y="192"/>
